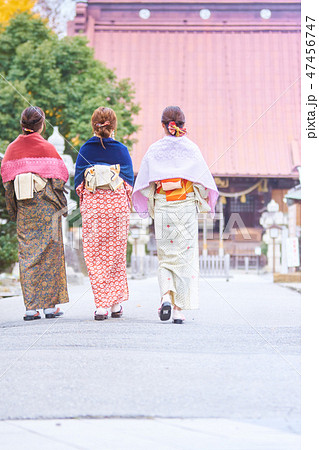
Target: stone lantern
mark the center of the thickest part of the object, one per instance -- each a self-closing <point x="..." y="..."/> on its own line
<point x="71" y="257"/>
<point x="57" y="140"/>
<point x="138" y="237"/>
<point x="275" y="223"/>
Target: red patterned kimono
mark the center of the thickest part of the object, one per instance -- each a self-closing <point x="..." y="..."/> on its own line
<point x="105" y="224"/>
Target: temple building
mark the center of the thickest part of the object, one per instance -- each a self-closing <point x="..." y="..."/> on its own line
<point x="234" y="68"/>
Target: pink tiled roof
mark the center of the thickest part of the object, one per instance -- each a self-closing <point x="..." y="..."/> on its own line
<point x="201" y="2"/>
<point x="239" y="89"/>
<point x="240" y="93"/>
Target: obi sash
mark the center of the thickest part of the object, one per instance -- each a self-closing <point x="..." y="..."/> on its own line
<point x="103" y="177"/>
<point x="176" y="194"/>
<point x="25" y="184"/>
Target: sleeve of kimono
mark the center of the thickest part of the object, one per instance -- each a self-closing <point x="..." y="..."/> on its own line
<point x="151" y="200"/>
<point x="149" y="193"/>
<point x="59" y="191"/>
<point x="11" y="201"/>
<point x="79" y="191"/>
<point x="201" y="197"/>
<point x="203" y="192"/>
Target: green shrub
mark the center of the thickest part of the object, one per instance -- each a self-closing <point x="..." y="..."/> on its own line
<point x="8" y="251"/>
<point x="8" y="235"/>
<point x="264" y="248"/>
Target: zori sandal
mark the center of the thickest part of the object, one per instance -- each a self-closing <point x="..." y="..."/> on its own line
<point x="32" y="317"/>
<point x="178" y="316"/>
<point x="51" y="313"/>
<point x="101" y="316"/>
<point x="117" y="314"/>
<point x="165" y="310"/>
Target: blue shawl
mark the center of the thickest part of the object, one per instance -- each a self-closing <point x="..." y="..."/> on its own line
<point x="92" y="153"/>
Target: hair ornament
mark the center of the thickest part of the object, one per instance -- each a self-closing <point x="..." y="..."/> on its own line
<point x="174" y="130"/>
<point x="103" y="124"/>
<point x="27" y="129"/>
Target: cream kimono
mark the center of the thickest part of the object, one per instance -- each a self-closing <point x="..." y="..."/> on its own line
<point x="176" y="233"/>
<point x="176" y="227"/>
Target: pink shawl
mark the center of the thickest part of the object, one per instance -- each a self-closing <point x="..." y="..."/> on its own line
<point x="32" y="153"/>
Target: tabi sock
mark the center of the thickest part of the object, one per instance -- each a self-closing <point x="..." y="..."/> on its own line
<point x="31" y="312"/>
<point x="178" y="314"/>
<point x="166" y="298"/>
<point x="116" y="308"/>
<point x="49" y="310"/>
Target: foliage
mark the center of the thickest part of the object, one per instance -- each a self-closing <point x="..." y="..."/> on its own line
<point x="129" y="253"/>
<point x="9" y="8"/>
<point x="63" y="78"/>
<point x="8" y="252"/>
<point x="8" y="239"/>
<point x="264" y="248"/>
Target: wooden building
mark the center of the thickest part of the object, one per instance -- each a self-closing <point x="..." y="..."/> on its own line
<point x="234" y="68"/>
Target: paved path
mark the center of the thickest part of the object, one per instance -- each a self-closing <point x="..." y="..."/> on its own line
<point x="234" y="366"/>
<point x="145" y="434"/>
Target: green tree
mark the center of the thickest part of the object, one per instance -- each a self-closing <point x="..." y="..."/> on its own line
<point x="63" y="78"/>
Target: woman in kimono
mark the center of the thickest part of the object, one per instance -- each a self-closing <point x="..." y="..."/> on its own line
<point x="103" y="180"/>
<point x="34" y="175"/>
<point x="172" y="185"/>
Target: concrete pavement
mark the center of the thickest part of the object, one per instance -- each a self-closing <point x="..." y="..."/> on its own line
<point x="227" y="379"/>
<point x="143" y="434"/>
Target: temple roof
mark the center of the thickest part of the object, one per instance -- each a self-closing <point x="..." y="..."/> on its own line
<point x="238" y="86"/>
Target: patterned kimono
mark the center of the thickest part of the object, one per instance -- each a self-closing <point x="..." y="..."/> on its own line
<point x="41" y="252"/>
<point x="105" y="221"/>
<point x="39" y="230"/>
<point x="105" y="225"/>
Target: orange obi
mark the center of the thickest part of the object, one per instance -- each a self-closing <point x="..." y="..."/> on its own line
<point x="176" y="194"/>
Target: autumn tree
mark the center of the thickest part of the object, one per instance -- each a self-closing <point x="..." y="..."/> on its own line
<point x="9" y="8"/>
